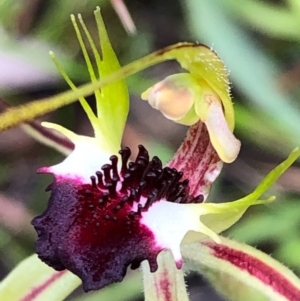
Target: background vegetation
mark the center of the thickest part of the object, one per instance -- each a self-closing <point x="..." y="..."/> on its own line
<point x="259" y="42"/>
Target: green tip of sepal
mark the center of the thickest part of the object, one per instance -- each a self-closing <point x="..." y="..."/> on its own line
<point x="114" y="103"/>
<point x="273" y="175"/>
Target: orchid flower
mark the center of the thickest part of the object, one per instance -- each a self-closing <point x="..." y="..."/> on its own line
<point x="108" y="212"/>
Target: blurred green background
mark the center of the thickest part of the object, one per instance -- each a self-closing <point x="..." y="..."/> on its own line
<point x="259" y="42"/>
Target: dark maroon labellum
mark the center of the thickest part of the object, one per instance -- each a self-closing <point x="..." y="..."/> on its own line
<point x="94" y="230"/>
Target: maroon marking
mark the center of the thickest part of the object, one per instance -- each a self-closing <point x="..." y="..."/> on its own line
<point x="64" y="142"/>
<point x="179" y="46"/>
<point x="37" y="290"/>
<point x="266" y="274"/>
<point x="164" y="287"/>
<point x="195" y="157"/>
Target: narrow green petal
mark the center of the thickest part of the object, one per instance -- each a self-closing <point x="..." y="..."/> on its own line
<point x="240" y="272"/>
<point x="88" y="110"/>
<point x="95" y="51"/>
<point x="87" y="59"/>
<point x="33" y="280"/>
<point x="83" y="47"/>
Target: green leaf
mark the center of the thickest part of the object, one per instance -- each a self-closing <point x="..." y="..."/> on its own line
<point x="275" y="20"/>
<point x="278" y="21"/>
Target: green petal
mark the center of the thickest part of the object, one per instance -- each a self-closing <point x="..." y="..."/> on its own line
<point x="33" y="280"/>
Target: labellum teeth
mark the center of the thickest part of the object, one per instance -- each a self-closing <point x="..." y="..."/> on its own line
<point x="125" y="154"/>
<point x="97" y="230"/>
